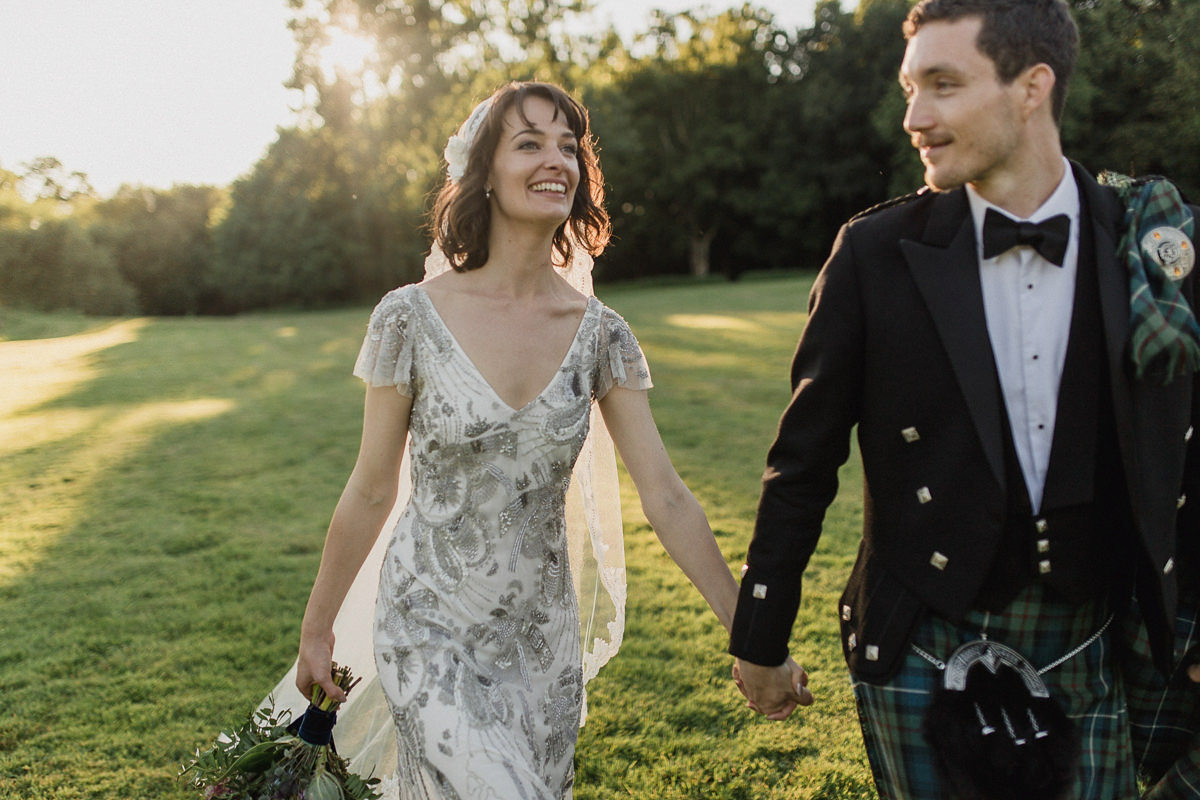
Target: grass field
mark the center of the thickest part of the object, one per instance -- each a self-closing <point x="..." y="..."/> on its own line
<point x="164" y="490"/>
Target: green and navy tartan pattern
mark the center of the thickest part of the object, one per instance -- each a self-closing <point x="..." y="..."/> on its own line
<point x="1040" y="627"/>
<point x="1164" y="714"/>
<point x="1165" y="339"/>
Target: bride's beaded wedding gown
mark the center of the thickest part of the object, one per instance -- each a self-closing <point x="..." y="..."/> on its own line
<point x="477" y="636"/>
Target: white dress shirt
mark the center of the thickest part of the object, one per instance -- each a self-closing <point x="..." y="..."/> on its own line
<point x="1028" y="303"/>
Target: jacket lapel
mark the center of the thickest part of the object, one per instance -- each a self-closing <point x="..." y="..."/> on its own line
<point x="1106" y="213"/>
<point x="944" y="265"/>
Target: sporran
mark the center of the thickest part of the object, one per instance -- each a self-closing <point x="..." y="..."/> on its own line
<point x="995" y="730"/>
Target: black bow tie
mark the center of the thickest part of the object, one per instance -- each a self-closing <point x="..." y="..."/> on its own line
<point x="1049" y="238"/>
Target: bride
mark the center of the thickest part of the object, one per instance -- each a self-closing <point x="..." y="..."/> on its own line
<point x="500" y="588"/>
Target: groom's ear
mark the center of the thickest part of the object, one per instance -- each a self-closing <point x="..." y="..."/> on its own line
<point x="1036" y="86"/>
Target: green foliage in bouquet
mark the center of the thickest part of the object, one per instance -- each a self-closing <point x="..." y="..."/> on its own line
<point x="264" y="759"/>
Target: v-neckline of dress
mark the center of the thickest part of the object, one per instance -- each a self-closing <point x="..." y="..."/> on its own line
<point x="438" y="320"/>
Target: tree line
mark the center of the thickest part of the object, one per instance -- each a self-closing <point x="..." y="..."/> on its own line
<point x="728" y="142"/>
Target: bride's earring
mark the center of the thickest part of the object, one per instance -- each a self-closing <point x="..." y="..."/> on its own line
<point x="487" y="192"/>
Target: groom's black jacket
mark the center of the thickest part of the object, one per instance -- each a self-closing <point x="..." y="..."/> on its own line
<point x="897" y="344"/>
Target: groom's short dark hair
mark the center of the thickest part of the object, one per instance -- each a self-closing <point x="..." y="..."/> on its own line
<point x="1015" y="35"/>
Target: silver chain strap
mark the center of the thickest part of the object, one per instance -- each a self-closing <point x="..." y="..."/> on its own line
<point x="941" y="665"/>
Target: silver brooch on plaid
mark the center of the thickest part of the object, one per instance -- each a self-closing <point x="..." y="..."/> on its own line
<point x="1171" y="250"/>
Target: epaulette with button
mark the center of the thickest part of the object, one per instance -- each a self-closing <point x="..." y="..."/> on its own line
<point x="895" y="201"/>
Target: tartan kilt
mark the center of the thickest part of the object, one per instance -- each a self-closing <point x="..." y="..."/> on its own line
<point x="1042" y="628"/>
<point x="1164" y="713"/>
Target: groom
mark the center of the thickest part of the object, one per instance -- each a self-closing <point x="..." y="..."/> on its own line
<point x="1021" y="482"/>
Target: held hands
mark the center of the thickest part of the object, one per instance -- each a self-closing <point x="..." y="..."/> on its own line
<point x="314" y="665"/>
<point x="773" y="691"/>
<point x="1190" y="663"/>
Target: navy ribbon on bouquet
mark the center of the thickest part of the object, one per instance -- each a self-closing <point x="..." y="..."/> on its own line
<point x="316" y="726"/>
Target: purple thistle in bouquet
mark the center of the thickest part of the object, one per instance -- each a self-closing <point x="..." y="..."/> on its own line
<point x="266" y="758"/>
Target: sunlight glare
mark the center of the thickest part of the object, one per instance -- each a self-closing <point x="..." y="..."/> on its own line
<point x="37" y="371"/>
<point x="345" y="53"/>
<point x="713" y="321"/>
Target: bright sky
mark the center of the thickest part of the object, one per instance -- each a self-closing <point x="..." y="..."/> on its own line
<point x="158" y="92"/>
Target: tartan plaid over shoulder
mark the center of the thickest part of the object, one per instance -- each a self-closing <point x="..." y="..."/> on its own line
<point x="1165" y="338"/>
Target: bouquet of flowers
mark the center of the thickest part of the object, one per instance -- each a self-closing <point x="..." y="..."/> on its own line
<point x="268" y="759"/>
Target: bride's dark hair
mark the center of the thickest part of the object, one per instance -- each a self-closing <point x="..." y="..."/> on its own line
<point x="461" y="214"/>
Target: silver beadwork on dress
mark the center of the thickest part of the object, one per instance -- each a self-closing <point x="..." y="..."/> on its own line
<point x="498" y="586"/>
<point x="484" y="596"/>
<point x="594" y="531"/>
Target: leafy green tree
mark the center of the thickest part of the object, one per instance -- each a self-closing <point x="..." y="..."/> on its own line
<point x="335" y="211"/>
<point x="881" y="31"/>
<point x="57" y="265"/>
<point x="838" y="141"/>
<point x="46" y="177"/>
<point x="739" y="143"/>
<point x="161" y="240"/>
<point x="290" y="237"/>
<point x="14" y="209"/>
<point x="685" y="137"/>
<point x="1134" y="104"/>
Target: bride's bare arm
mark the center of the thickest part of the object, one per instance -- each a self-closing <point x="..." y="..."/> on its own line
<point x="670" y="507"/>
<point x="364" y="506"/>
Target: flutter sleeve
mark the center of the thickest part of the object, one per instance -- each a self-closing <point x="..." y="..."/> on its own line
<point x="621" y="361"/>
<point x="386" y="356"/>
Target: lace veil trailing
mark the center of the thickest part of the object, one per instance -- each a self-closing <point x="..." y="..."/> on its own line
<point x="365" y="732"/>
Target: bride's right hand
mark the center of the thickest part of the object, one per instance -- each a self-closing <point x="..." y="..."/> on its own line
<point x="314" y="665"/>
